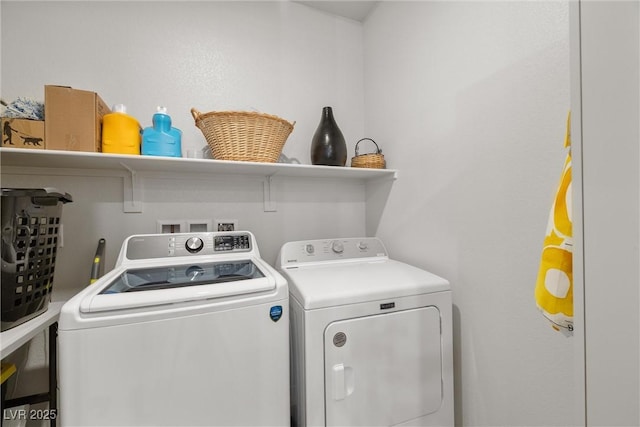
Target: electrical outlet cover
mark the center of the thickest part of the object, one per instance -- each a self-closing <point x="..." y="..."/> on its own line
<point x="164" y="226"/>
<point x="199" y="225"/>
<point x="226" y="225"/>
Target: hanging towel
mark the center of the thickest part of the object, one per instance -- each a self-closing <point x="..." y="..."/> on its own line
<point x="554" y="286"/>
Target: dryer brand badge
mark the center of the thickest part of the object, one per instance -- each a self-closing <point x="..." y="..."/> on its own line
<point x="339" y="339"/>
<point x="275" y="312"/>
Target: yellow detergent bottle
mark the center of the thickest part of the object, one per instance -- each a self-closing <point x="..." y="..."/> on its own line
<point x="120" y="132"/>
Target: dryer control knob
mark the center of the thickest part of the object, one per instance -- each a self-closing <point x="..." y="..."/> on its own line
<point x="337" y="247"/>
<point x="363" y="246"/>
<point x="194" y="244"/>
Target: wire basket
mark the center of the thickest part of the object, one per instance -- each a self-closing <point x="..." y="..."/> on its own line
<point x="30" y="229"/>
<point x="242" y="135"/>
<point x="371" y="160"/>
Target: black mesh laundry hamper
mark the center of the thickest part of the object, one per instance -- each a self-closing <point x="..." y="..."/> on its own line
<point x="30" y="227"/>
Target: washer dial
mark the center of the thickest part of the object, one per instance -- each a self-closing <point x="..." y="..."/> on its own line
<point x="194" y="244"/>
<point x="337" y="247"/>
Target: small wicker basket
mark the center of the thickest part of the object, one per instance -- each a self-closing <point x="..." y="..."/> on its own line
<point x="371" y="160"/>
<point x="242" y="135"/>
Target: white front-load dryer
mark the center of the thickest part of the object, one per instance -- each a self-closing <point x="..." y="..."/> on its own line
<point x="371" y="337"/>
<point x="187" y="330"/>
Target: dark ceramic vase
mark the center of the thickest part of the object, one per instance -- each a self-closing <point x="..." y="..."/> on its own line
<point x="328" y="146"/>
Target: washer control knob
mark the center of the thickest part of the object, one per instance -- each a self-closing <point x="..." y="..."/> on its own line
<point x="363" y="246"/>
<point x="194" y="244"/>
<point x="337" y="247"/>
<point x="309" y="249"/>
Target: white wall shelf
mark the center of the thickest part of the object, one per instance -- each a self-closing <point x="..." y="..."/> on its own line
<point x="15" y="160"/>
<point x="92" y="161"/>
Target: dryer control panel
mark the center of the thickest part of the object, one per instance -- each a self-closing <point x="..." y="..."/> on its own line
<point x="151" y="246"/>
<point x="312" y="251"/>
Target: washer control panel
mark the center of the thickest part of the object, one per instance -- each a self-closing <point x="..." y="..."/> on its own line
<point x="311" y="251"/>
<point x="236" y="243"/>
<point x="187" y="244"/>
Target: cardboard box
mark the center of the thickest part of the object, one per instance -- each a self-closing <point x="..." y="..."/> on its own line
<point x="22" y="133"/>
<point x="73" y="119"/>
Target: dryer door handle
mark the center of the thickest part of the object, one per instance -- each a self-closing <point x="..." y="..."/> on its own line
<point x="343" y="381"/>
<point x="339" y="392"/>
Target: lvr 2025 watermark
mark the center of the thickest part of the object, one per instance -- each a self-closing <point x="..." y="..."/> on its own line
<point x="30" y="414"/>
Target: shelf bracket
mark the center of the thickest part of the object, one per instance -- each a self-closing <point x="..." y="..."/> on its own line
<point x="132" y="202"/>
<point x="268" y="193"/>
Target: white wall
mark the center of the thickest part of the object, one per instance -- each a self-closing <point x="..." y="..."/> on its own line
<point x="278" y="57"/>
<point x="610" y="89"/>
<point x="305" y="210"/>
<point x="468" y="101"/>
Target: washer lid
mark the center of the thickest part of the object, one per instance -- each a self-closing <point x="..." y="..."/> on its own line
<point x="184" y="275"/>
<point x="168" y="284"/>
<point x="328" y="285"/>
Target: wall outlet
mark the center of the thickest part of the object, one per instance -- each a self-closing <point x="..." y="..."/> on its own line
<point x="165" y="226"/>
<point x="226" y="225"/>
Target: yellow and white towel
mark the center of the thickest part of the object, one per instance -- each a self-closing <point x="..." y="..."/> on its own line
<point x="554" y="286"/>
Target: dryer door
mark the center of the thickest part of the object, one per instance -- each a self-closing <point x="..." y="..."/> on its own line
<point x="383" y="369"/>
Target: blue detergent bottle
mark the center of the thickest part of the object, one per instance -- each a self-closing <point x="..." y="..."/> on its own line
<point x="161" y="139"/>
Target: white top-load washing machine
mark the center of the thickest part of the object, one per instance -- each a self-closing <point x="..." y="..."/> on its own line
<point x="188" y="329"/>
<point x="371" y="337"/>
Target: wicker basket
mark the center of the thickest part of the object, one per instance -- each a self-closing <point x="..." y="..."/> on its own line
<point x="244" y="136"/>
<point x="371" y="160"/>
